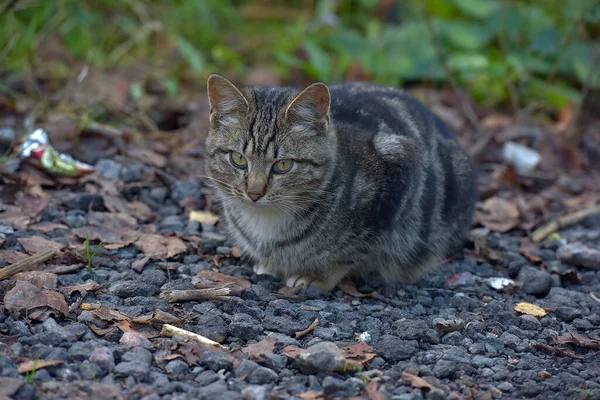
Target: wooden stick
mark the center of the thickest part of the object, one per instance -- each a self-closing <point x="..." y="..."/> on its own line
<point x="308" y="330"/>
<point x="567" y="220"/>
<point x="218" y="293"/>
<point x="170" y="331"/>
<point x="27" y="263"/>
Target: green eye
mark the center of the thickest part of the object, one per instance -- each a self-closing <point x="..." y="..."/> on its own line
<point x="283" y="166"/>
<point x="238" y="160"/>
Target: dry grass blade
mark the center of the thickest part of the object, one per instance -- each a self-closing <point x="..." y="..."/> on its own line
<point x="308" y="330"/>
<point x="217" y="293"/>
<point x="565" y="221"/>
<point x="27" y="263"/>
<point x="170" y="331"/>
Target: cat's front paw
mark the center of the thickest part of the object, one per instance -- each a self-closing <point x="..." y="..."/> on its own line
<point x="298" y="279"/>
<point x="263" y="269"/>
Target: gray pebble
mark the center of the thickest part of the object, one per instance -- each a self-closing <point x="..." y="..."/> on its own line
<point x="332" y="385"/>
<point x="262" y="376"/>
<point x="133" y="288"/>
<point x="177" y="367"/>
<point x="535" y="281"/>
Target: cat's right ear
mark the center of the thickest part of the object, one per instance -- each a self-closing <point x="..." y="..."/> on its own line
<point x="224" y="98"/>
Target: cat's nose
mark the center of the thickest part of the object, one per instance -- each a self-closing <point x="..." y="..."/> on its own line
<point x="255" y="196"/>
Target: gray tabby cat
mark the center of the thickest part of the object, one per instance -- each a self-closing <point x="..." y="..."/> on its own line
<point x="339" y="181"/>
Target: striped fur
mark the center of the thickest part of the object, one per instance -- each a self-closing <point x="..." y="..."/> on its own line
<point x="379" y="182"/>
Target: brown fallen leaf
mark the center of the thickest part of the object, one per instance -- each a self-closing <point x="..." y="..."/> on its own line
<point x="531" y="309"/>
<point x="291" y="351"/>
<point x="360" y="352"/>
<point x="101" y="331"/>
<point x="578" y="340"/>
<point x="449" y="325"/>
<point x="258" y="351"/>
<point x="27" y="299"/>
<point x="148" y="156"/>
<point x="497" y="214"/>
<point x="37" y="244"/>
<point x="416" y="382"/>
<point x="41" y="279"/>
<point x="529" y="250"/>
<point x="348" y="287"/>
<point x="10" y="386"/>
<point x="46" y="227"/>
<point x="373" y="393"/>
<point x="311" y="395"/>
<point x="205" y="217"/>
<point x="12" y="256"/>
<point x="214" y="276"/>
<point x="192" y="350"/>
<point x="32" y="206"/>
<point x="561" y="351"/>
<point x="169" y="247"/>
<point x="114" y="220"/>
<point x="31" y="365"/>
<point x="106" y="314"/>
<point x="123" y="236"/>
<point x="83" y="289"/>
<point x="140" y="211"/>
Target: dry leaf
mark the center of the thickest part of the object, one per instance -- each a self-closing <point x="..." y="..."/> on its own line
<point x="348" y="287"/>
<point x="497" y="214"/>
<point x="214" y="276"/>
<point x="258" y="351"/>
<point x="148" y="156"/>
<point x="156" y="245"/>
<point x="40" y="279"/>
<point x="106" y="314"/>
<point x="37" y="244"/>
<point x="31" y="365"/>
<point x="578" y="340"/>
<point x="192" y="350"/>
<point x="359" y="352"/>
<point x="140" y="211"/>
<point x="448" y="325"/>
<point x="12" y="256"/>
<point x="531" y="309"/>
<point x="311" y="327"/>
<point x="123" y="236"/>
<point x="373" y="393"/>
<point x="46" y="227"/>
<point x="27" y="299"/>
<point x="115" y="220"/>
<point x="311" y="395"/>
<point x="83" y="289"/>
<point x="291" y="351"/>
<point x="9" y="386"/>
<point x="205" y="217"/>
<point x="415" y="381"/>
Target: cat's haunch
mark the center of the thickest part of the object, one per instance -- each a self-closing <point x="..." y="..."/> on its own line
<point x="329" y="182"/>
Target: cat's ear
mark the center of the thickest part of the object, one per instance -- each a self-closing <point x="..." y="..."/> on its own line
<point x="312" y="104"/>
<point x="224" y="98"/>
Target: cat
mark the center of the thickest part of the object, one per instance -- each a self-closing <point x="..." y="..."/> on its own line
<point x="331" y="182"/>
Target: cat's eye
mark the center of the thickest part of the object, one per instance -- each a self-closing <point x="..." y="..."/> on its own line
<point x="283" y="166"/>
<point x="238" y="160"/>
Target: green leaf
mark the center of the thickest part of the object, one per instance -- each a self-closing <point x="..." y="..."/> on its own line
<point x="466" y="62"/>
<point x="479" y="9"/>
<point x="547" y="42"/>
<point x="319" y="61"/>
<point x="190" y="54"/>
<point x="556" y="95"/>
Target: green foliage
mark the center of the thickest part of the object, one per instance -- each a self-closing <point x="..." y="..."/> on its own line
<point x="91" y="255"/>
<point x="542" y="51"/>
<point x="31" y="374"/>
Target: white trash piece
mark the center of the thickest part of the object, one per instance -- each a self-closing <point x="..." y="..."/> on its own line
<point x="524" y="159"/>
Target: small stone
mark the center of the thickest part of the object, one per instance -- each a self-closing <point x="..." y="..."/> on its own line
<point x="206" y="378"/>
<point x="90" y="371"/>
<point x="529" y="322"/>
<point x="244" y="368"/>
<point x="505" y="386"/>
<point x="103" y="356"/>
<point x="181" y="189"/>
<point x="10" y="386"/>
<point x="245" y="327"/>
<point x="177" y="367"/>
<point x="323" y="356"/>
<point x="213" y="327"/>
<point x="262" y="376"/>
<point x="568" y="314"/>
<point x="255" y="392"/>
<point x="130" y="173"/>
<point x="109" y="168"/>
<point x="79" y="351"/>
<point x="135" y="339"/>
<point x="511" y="341"/>
<point x="133" y="288"/>
<point x="393" y="349"/>
<point x="332" y="385"/>
<point x="215" y="361"/>
<point x="582" y="324"/>
<point x="531" y="388"/>
<point x="535" y="281"/>
<point x="445" y="369"/>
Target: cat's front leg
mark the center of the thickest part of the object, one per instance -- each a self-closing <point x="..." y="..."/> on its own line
<point x="262" y="268"/>
<point x="327" y="281"/>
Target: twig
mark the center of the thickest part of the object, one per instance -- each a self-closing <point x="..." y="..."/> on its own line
<point x="567" y="220"/>
<point x="27" y="263"/>
<point x="218" y="293"/>
<point x="308" y="330"/>
<point x="170" y="331"/>
<point x="467" y="109"/>
<point x="556" y="350"/>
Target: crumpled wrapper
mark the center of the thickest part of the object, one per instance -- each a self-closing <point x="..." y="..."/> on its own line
<point x="37" y="149"/>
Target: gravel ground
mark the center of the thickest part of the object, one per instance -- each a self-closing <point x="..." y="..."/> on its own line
<point x="451" y="336"/>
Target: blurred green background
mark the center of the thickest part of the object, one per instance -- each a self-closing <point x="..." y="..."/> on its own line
<point x="504" y="53"/>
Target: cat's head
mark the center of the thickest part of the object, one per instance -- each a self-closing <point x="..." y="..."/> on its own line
<point x="268" y="145"/>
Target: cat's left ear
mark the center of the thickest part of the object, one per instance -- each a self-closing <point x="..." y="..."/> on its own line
<point x="224" y="98"/>
<point x="312" y="104"/>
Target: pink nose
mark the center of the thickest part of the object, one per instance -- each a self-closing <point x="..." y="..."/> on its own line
<point x="255" y="196"/>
